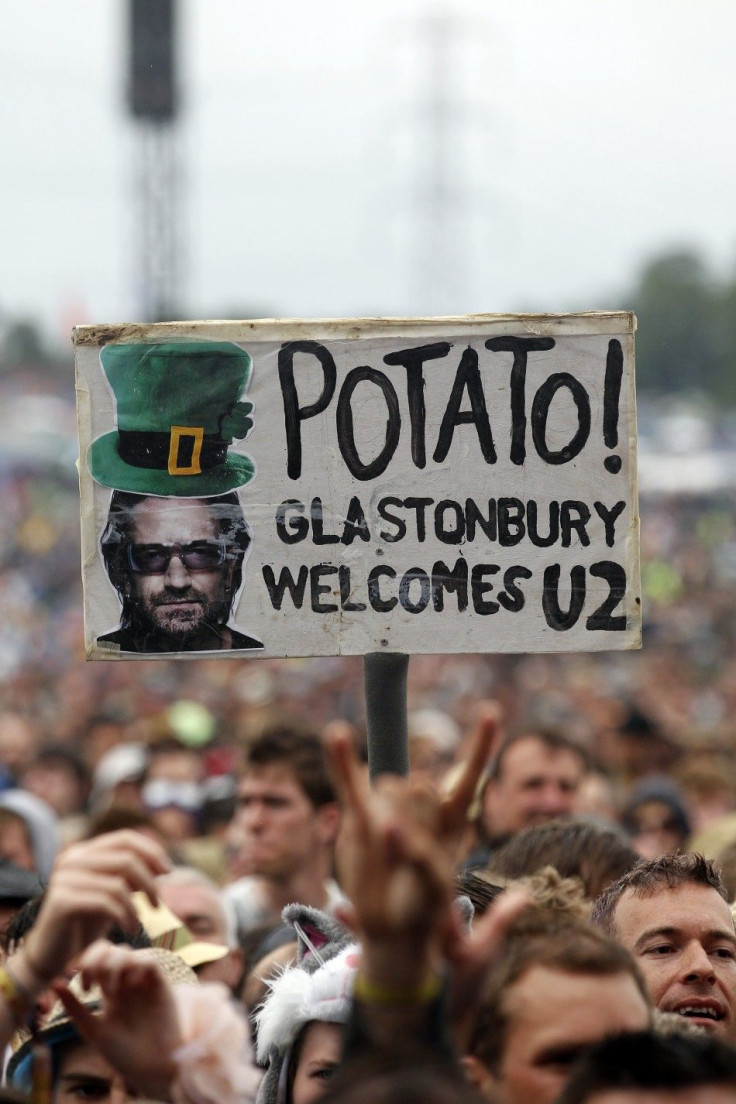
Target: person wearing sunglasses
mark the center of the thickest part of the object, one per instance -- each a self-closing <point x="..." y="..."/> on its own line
<point x="177" y="565"/>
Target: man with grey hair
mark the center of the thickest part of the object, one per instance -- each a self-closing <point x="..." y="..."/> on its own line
<point x="201" y="906"/>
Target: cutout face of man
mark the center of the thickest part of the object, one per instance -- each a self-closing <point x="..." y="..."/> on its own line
<point x="176" y="564"/>
<point x="684" y="942"/>
<point x="181" y="601"/>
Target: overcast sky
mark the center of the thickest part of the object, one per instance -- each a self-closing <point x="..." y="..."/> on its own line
<point x="585" y="136"/>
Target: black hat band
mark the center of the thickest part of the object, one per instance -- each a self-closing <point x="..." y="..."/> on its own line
<point x="183" y="451"/>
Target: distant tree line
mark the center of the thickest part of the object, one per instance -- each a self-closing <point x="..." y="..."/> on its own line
<point x="686" y="337"/>
<point x="685" y="342"/>
<point x="24" y="352"/>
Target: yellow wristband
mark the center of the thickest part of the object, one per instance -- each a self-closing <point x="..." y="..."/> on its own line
<point x="387" y="995"/>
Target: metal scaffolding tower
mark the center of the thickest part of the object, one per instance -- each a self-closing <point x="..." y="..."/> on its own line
<point x="438" y="267"/>
<point x="159" y="245"/>
<point x="153" y="104"/>
<point x="446" y="196"/>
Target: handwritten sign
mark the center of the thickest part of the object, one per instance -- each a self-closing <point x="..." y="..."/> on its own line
<point x="283" y="488"/>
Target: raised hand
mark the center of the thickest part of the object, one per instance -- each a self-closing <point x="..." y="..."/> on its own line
<point x="185" y="1042"/>
<point x="396" y="853"/>
<point x="396" y="859"/>
<point x="88" y="892"/>
<point x="137" y="1030"/>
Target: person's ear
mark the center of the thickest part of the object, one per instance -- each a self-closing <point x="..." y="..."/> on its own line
<point x="236" y="963"/>
<point x="329" y="821"/>
<point x="479" y="1075"/>
<point x="488" y="800"/>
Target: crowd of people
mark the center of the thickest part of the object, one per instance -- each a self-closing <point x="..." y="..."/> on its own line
<point x="489" y="928"/>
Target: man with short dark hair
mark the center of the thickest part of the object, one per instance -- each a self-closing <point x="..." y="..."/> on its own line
<point x="533" y="778"/>
<point x="672" y="914"/>
<point x="60" y="777"/>
<point x="177" y="565"/>
<point x="556" y="989"/>
<point x="647" y="1068"/>
<point x="284" y="830"/>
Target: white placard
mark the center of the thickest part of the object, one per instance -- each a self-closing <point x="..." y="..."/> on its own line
<point x="413" y="485"/>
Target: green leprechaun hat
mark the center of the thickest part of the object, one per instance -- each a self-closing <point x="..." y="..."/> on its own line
<point x="178" y="410"/>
